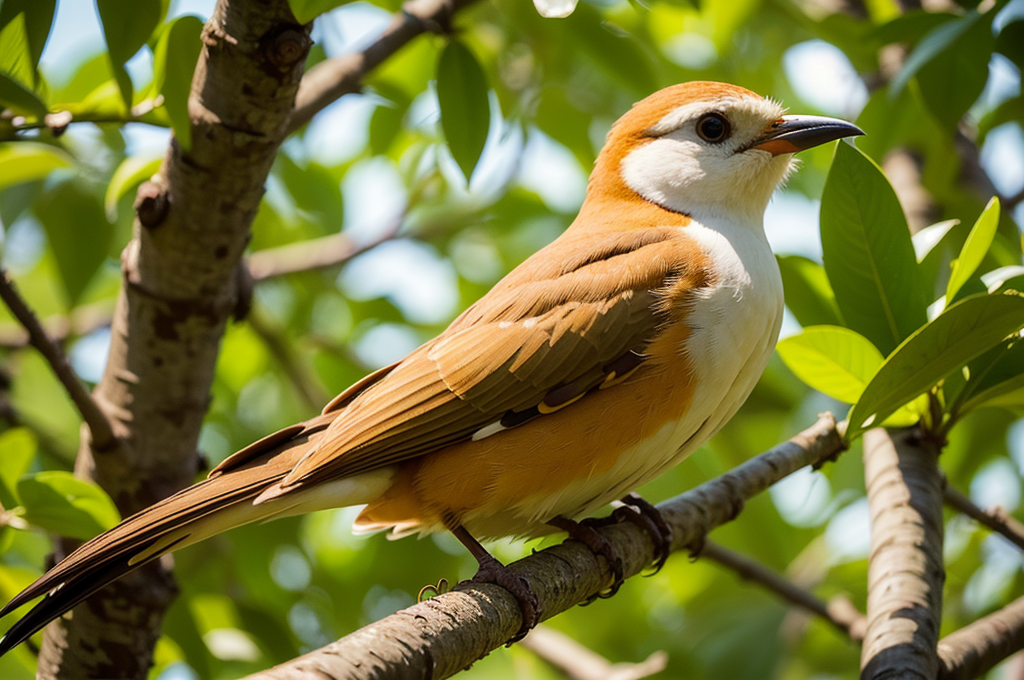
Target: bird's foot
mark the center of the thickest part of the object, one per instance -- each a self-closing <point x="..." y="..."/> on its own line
<point x="639" y="511"/>
<point x="585" y="533"/>
<point x="493" y="571"/>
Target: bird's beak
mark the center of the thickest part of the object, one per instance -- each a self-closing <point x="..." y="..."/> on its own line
<point x="790" y="134"/>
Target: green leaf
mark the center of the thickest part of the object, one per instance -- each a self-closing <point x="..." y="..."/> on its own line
<point x="16" y="96"/>
<point x="78" y="233"/>
<point x="60" y="503"/>
<point x="563" y="121"/>
<point x="317" y="194"/>
<point x="958" y="335"/>
<point x="132" y="172"/>
<point x="975" y="248"/>
<point x="1008" y="111"/>
<point x="809" y="295"/>
<point x="38" y="18"/>
<point x="127" y="25"/>
<point x="954" y="79"/>
<point x="926" y="239"/>
<point x="22" y="162"/>
<point x="465" y="109"/>
<point x="868" y="253"/>
<point x="19" y="448"/>
<point x="307" y="10"/>
<point x="833" y="360"/>
<point x="386" y="121"/>
<point x="15" y="51"/>
<point x="174" y="64"/>
<point x="1010" y="42"/>
<point x="938" y="40"/>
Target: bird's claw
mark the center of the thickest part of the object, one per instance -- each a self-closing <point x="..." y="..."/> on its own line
<point x="493" y="571"/>
<point x="637" y="510"/>
<point x="586" y="533"/>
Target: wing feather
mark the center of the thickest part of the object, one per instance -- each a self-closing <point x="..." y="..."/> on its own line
<point x="557" y="323"/>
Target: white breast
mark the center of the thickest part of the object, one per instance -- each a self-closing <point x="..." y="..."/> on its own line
<point x="736" y="322"/>
<point x="735" y="326"/>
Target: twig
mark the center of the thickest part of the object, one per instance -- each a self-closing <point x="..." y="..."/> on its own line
<point x="995" y="518"/>
<point x="443" y="635"/>
<point x="314" y="254"/>
<point x="330" y="79"/>
<point x="974" y="649"/>
<point x="82" y="321"/>
<point x="305" y="382"/>
<point x="840" y="612"/>
<point x="58" y="121"/>
<point x="103" y="438"/>
<point x="905" y="571"/>
<point x="1010" y="202"/>
<point x="578" y="662"/>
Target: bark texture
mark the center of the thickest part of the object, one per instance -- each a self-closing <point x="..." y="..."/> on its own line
<point x="973" y="650"/>
<point x="445" y="634"/>
<point x="181" y="284"/>
<point x="905" y="570"/>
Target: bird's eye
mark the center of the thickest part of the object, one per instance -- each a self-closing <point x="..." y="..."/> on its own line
<point x="713" y="128"/>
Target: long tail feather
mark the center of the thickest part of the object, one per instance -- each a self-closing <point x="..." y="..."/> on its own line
<point x="214" y="505"/>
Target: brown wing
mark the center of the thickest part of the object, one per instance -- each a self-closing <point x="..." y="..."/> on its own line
<point x="576" y="315"/>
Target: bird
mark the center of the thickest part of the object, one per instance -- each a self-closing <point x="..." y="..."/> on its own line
<point x="603" y="360"/>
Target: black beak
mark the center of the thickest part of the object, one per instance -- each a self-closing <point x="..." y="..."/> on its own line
<point x="790" y="134"/>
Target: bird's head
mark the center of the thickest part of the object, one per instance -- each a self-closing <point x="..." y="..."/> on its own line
<point x="704" y="148"/>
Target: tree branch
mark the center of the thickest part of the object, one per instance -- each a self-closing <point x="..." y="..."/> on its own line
<point x="840" y="612"/>
<point x="974" y="649"/>
<point x="306" y="383"/>
<point x="578" y="662"/>
<point x="181" y="284"/>
<point x="102" y="434"/>
<point x="314" y="254"/>
<point x="331" y="79"/>
<point x="995" y="518"/>
<point x="905" y="569"/>
<point x="443" y="635"/>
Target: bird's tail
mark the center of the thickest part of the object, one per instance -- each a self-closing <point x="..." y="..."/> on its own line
<point x="221" y="502"/>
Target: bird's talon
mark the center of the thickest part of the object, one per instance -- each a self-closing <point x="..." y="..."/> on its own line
<point x="639" y="511"/>
<point x="586" y="533"/>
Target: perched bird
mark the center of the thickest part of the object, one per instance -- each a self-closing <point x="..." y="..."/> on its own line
<point x="597" y="364"/>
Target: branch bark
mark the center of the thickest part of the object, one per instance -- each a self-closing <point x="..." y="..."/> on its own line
<point x="331" y="79"/>
<point x="840" y="612"/>
<point x="974" y="649"/>
<point x="905" y="569"/>
<point x="181" y="284"/>
<point x="580" y="663"/>
<point x="996" y="519"/>
<point x="445" y="634"/>
<point x="101" y="432"/>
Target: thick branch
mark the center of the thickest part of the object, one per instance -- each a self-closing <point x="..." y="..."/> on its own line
<point x="329" y="80"/>
<point x="580" y="663"/>
<point x="973" y="650"/>
<point x="996" y="519"/>
<point x="181" y="284"/>
<point x="905" y="569"/>
<point x="103" y="438"/>
<point x="445" y="634"/>
<point x="840" y="612"/>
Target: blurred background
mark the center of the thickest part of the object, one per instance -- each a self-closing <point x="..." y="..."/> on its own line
<point x="374" y="166"/>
